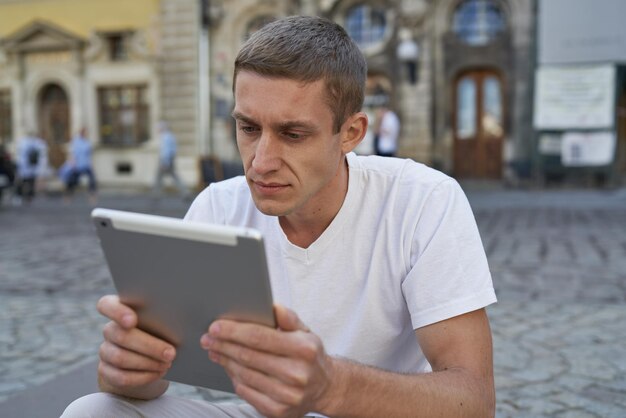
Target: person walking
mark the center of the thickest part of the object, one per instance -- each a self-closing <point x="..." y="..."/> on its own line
<point x="32" y="163"/>
<point x="387" y="133"/>
<point x="7" y="172"/>
<point x="80" y="164"/>
<point x="167" y="161"/>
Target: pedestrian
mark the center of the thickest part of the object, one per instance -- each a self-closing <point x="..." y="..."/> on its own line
<point x="7" y="172"/>
<point x="377" y="269"/>
<point x="167" y="161"/>
<point x="387" y="132"/>
<point x="78" y="164"/>
<point x="32" y="165"/>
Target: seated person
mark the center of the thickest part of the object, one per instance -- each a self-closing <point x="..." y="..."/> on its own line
<point x="377" y="268"/>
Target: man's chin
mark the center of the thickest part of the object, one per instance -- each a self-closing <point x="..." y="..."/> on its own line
<point x="271" y="208"/>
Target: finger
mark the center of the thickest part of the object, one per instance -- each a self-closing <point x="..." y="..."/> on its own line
<point x="111" y="307"/>
<point x="263" y="403"/>
<point x="272" y="389"/>
<point x="284" y="369"/>
<point x="262" y="338"/>
<point x="139" y="341"/>
<point x="121" y="358"/>
<point x="288" y="320"/>
<point x="126" y="378"/>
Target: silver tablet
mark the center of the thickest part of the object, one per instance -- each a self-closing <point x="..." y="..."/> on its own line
<point x="180" y="276"/>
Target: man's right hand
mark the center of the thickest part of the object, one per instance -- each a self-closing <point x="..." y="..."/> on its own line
<point x="132" y="362"/>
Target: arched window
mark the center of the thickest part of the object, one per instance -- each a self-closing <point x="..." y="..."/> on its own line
<point x="366" y="25"/>
<point x="478" y="22"/>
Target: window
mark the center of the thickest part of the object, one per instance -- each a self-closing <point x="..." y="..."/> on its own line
<point x="466" y="108"/>
<point x="117" y="46"/>
<point x="478" y="22"/>
<point x="6" y="119"/>
<point x="366" y="25"/>
<point x="124" y="115"/>
<point x="492" y="123"/>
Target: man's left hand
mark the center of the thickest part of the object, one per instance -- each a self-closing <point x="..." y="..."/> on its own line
<point x="283" y="372"/>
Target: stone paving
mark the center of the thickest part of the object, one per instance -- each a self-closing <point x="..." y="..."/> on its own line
<point x="558" y="260"/>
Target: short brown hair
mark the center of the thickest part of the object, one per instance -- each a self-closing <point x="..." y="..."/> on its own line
<point x="308" y="49"/>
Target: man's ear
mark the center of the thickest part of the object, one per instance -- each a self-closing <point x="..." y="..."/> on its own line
<point x="353" y="131"/>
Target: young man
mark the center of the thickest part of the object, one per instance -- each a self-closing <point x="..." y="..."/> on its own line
<point x="388" y="132"/>
<point x="32" y="165"/>
<point x="167" y="161"/>
<point x="376" y="263"/>
<point x="80" y="163"/>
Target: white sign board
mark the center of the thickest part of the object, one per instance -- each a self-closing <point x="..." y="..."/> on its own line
<point x="586" y="149"/>
<point x="550" y="144"/>
<point x="575" y="97"/>
<point x="581" y="31"/>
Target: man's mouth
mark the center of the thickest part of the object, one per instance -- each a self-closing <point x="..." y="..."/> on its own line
<point x="268" y="188"/>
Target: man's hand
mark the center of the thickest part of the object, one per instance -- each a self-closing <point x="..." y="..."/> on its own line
<point x="282" y="372"/>
<point x="132" y="362"/>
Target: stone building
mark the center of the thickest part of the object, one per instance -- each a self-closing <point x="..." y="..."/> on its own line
<point x="458" y="73"/>
<point x="114" y="67"/>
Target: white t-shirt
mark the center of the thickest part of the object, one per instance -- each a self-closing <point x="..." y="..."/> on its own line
<point x="388" y="133"/>
<point x="403" y="252"/>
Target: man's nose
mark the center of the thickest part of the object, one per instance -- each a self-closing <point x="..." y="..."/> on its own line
<point x="267" y="154"/>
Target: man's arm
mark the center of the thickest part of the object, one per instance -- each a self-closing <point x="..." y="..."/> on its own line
<point x="461" y="384"/>
<point x="285" y="373"/>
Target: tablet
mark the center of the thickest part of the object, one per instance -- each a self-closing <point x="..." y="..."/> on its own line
<point x="180" y="276"/>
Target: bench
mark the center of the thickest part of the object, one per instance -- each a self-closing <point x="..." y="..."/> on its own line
<point x="51" y="398"/>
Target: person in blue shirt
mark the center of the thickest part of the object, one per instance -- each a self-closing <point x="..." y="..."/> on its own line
<point x="167" y="158"/>
<point x="79" y="163"/>
<point x="32" y="163"/>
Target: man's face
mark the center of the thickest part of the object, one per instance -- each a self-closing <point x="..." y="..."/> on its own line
<point x="285" y="137"/>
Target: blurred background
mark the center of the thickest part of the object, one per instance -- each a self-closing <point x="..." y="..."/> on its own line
<point x="516" y="91"/>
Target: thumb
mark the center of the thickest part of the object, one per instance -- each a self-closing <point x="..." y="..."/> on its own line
<point x="287" y="320"/>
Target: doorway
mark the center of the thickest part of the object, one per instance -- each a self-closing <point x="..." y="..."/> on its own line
<point x="478" y="123"/>
<point x="54" y="122"/>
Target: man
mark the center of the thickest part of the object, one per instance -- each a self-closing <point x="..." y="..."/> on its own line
<point x="80" y="164"/>
<point x="376" y="263"/>
<point x="32" y="164"/>
<point x="387" y="133"/>
<point x="167" y="159"/>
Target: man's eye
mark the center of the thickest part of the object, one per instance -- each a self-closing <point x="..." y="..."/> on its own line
<point x="247" y="129"/>
<point x="293" y="135"/>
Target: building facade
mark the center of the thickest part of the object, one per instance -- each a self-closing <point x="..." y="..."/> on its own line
<point x="458" y="73"/>
<point x="580" y="94"/>
<point x="115" y="68"/>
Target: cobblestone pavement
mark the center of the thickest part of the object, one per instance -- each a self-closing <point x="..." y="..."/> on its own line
<point x="558" y="260"/>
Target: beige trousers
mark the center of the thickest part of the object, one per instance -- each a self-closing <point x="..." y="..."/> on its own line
<point x="105" y="405"/>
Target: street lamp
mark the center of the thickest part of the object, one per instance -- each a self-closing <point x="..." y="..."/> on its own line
<point x="408" y="54"/>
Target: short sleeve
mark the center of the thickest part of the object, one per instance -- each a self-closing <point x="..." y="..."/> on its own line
<point x="202" y="208"/>
<point x="449" y="273"/>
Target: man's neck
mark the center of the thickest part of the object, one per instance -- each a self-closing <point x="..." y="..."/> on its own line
<point x="305" y="226"/>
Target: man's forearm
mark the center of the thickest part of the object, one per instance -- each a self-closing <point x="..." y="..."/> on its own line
<point x="361" y="391"/>
<point x="146" y="392"/>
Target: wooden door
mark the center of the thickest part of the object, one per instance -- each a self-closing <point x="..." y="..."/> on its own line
<point x="478" y="125"/>
<point x="54" y="122"/>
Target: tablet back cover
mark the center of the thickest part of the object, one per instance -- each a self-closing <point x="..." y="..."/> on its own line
<point x="179" y="287"/>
